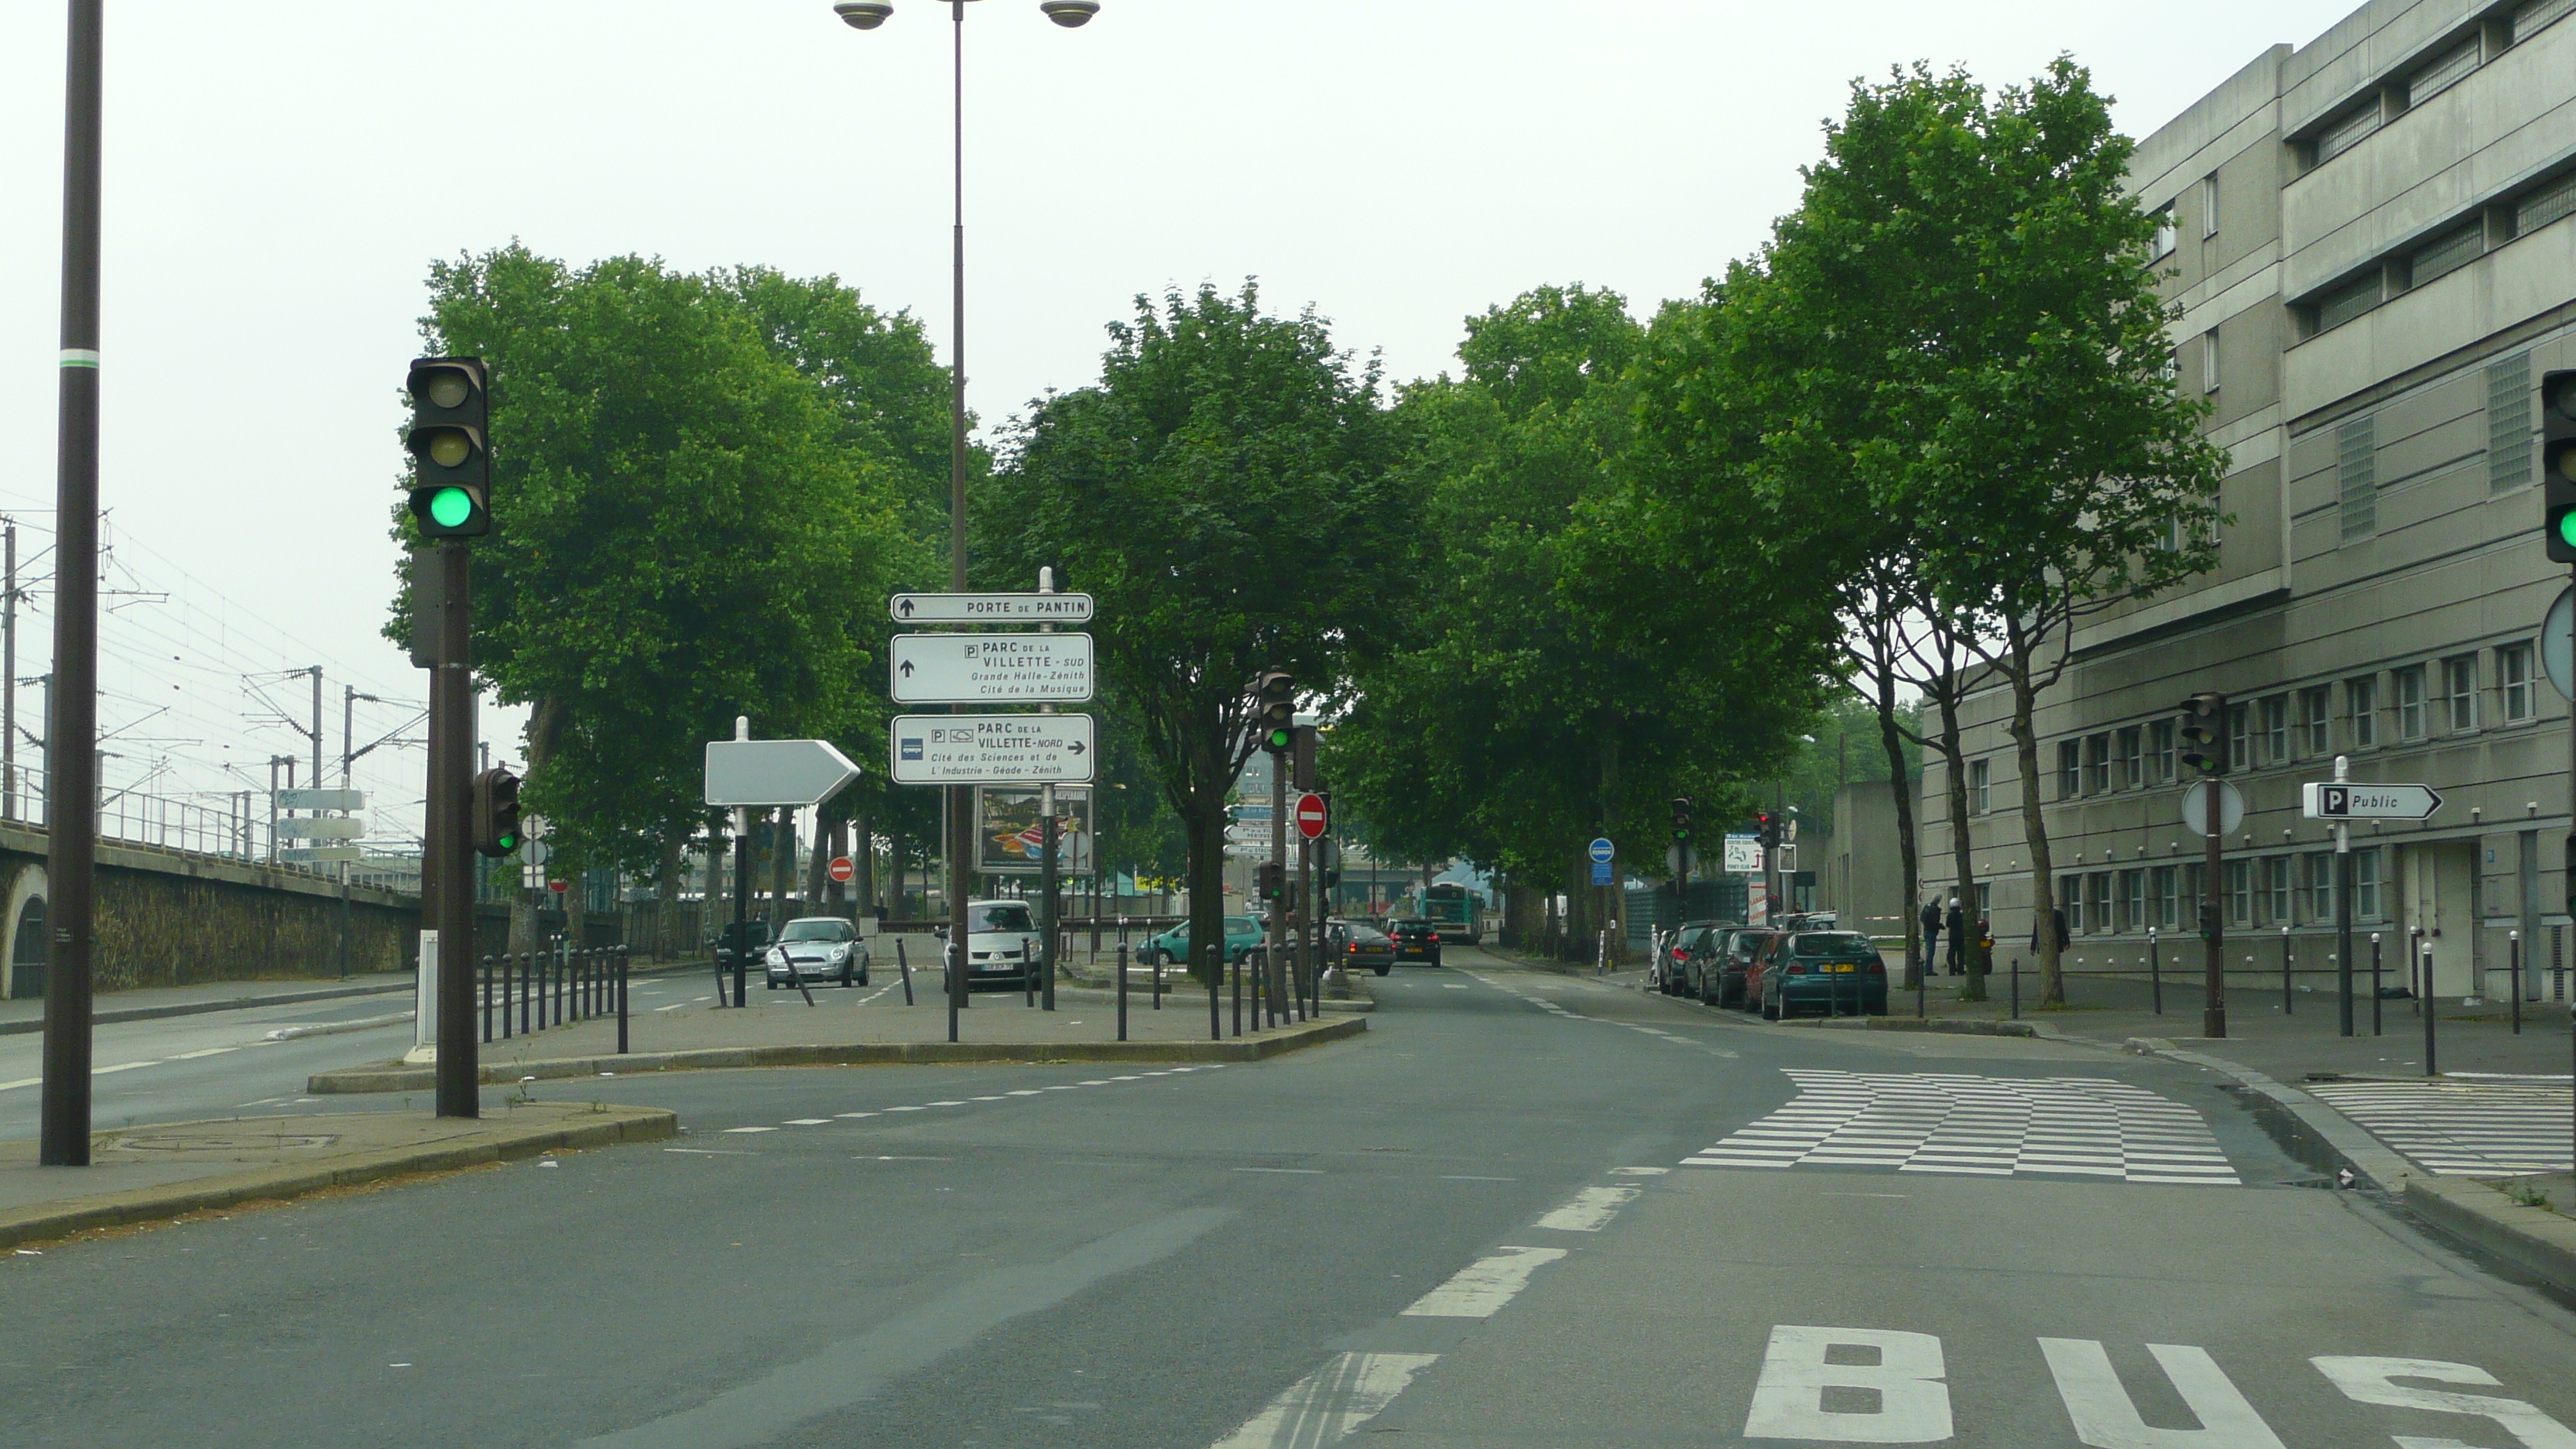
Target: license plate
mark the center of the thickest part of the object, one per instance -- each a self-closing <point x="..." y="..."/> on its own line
<point x="1845" y="967"/>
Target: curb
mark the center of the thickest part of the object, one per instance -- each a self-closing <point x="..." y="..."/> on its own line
<point x="1973" y="1027"/>
<point x="857" y="1054"/>
<point x="2534" y="1239"/>
<point x="335" y="1028"/>
<point x="201" y="1008"/>
<point x="154" y="1204"/>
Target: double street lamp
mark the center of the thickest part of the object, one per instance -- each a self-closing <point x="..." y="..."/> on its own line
<point x="868" y="15"/>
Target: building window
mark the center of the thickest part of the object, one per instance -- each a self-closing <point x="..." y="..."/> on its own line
<point x="2314" y="739"/>
<point x="2068" y="894"/>
<point x="2209" y="208"/>
<point x="2208" y="363"/>
<point x="2167" y="235"/>
<point x="2349" y="132"/>
<point x="2240" y="747"/>
<point x="2240" y="893"/>
<point x="2321" y="886"/>
<point x="2357" y="475"/>
<point x="2097" y="764"/>
<point x="2509" y="421"/>
<point x="2276" y="730"/>
<point x="2133" y="900"/>
<point x="2362" y="695"/>
<point x="2447" y="253"/>
<point x="2365" y="884"/>
<point x="2097" y="891"/>
<point x="2410" y="702"/>
<point x="2160" y="897"/>
<point x="2545" y="205"/>
<point x="1986" y="905"/>
<point x="2527" y="19"/>
<point x="2443" y="71"/>
<point x="2460" y="692"/>
<point x="2070" y="778"/>
<point x="1981" y="786"/>
<point x="2132" y="766"/>
<point x="2276" y="888"/>
<point x="2160" y="744"/>
<point x="2513" y="671"/>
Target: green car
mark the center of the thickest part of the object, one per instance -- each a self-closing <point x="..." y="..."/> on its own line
<point x="1172" y="948"/>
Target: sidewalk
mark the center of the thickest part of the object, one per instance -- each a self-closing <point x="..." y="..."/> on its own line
<point x="25" y="1014"/>
<point x="152" y="1173"/>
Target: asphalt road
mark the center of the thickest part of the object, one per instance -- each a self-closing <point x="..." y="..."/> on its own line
<point x="1479" y="1224"/>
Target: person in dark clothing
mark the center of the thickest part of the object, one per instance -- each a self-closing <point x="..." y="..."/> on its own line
<point x="1958" y="959"/>
<point x="1931" y="933"/>
<point x="2065" y="938"/>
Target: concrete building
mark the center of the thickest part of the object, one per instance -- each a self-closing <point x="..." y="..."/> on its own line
<point x="2375" y="241"/>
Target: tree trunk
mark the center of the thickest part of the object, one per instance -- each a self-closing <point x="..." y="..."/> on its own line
<point x="1613" y="907"/>
<point x="666" y="903"/>
<point x="1906" y="846"/>
<point x="1962" y="850"/>
<point x="712" y="917"/>
<point x="2034" y="829"/>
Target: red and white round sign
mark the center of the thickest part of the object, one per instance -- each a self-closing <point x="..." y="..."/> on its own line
<point x="841" y="869"/>
<point x="1313" y="817"/>
<point x="558" y="886"/>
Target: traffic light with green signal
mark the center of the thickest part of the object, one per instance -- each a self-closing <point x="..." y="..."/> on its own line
<point x="496" y="813"/>
<point x="450" y="443"/>
<point x="1275" y="695"/>
<point x="1274" y="881"/>
<point x="1681" y="820"/>
<point x="2204" y="733"/>
<point x="2558" y="465"/>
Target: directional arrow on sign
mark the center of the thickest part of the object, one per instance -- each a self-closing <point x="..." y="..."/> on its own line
<point x="756" y="773"/>
<point x="2338" y="800"/>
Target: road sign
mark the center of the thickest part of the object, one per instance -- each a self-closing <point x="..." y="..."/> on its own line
<point x="319" y="854"/>
<point x="989" y="608"/>
<point x="990" y="668"/>
<point x="842" y="869"/>
<point x="2558" y="644"/>
<point x="324" y="827"/>
<point x="1601" y="872"/>
<point x="2195" y="808"/>
<point x="2338" y="800"/>
<point x="1314" y="817"/>
<point x="991" y="749"/>
<point x="1743" y="855"/>
<point x="1602" y="851"/>
<point x="757" y="773"/>
<point x="558" y="886"/>
<point x="321" y="799"/>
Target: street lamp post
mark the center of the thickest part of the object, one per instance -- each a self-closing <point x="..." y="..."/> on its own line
<point x="868" y="15"/>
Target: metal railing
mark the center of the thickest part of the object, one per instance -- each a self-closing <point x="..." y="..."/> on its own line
<point x="161" y="822"/>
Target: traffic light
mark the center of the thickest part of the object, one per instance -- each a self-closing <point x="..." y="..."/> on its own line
<point x="2204" y="733"/>
<point x="1276" y="693"/>
<point x="1766" y="826"/>
<point x="1681" y="819"/>
<point x="1274" y="881"/>
<point x="496" y="812"/>
<point x="451" y="484"/>
<point x="2558" y="464"/>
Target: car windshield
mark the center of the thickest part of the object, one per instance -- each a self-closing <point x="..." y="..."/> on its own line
<point x="817" y="930"/>
<point x="1750" y="942"/>
<point x="1831" y="943"/>
<point x="1240" y="926"/>
<point x="1001" y="916"/>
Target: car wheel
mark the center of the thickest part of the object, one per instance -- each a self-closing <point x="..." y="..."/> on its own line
<point x="771" y="982"/>
<point x="1382" y="970"/>
<point x="1770" y="1012"/>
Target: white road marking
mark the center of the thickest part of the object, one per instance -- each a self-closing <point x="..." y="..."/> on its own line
<point x="947" y="1104"/>
<point x="1301" y="1171"/>
<point x="1329" y="1403"/>
<point x="707" y="1151"/>
<point x="39" y="1081"/>
<point x="2107" y="1418"/>
<point x="809" y="1122"/>
<point x="122" y="1067"/>
<point x="1788" y="1398"/>
<point x="903" y="1109"/>
<point x="1641" y="1171"/>
<point x="676" y="1005"/>
<point x="751" y="1129"/>
<point x="2489" y="1128"/>
<point x="1590" y="1211"/>
<point x="2373" y="1381"/>
<point x="1469" y="1177"/>
<point x="1023" y="1092"/>
<point x="207" y="1052"/>
<point x="854" y="1114"/>
<point x="1484" y="1286"/>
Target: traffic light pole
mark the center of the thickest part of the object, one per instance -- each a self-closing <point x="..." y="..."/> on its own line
<point x="451" y="783"/>
<point x="2213" y="1012"/>
<point x="71" y="764"/>
<point x="1279" y="903"/>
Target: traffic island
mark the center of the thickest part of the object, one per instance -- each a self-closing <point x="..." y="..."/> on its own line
<point x="155" y="1173"/>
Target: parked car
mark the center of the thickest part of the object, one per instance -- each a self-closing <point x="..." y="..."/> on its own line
<point x="1359" y="946"/>
<point x="720" y="942"/>
<point x="1172" y="947"/>
<point x="1415" y="940"/>
<point x="1671" y="965"/>
<point x="818" y="948"/>
<point x="1837" y="972"/>
<point x="1703" y="978"/>
<point x="1735" y="963"/>
<point x="1003" y="946"/>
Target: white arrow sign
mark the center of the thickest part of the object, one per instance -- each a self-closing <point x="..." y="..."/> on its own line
<point x="756" y="773"/>
<point x="2325" y="800"/>
<point x="991" y="749"/>
<point x="990" y="668"/>
<point x="989" y="608"/>
<point x="323" y="828"/>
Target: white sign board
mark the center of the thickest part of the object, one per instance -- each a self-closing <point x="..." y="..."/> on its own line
<point x="2332" y="800"/>
<point x="989" y="608"/>
<point x="990" y="668"/>
<point x="2195" y="807"/>
<point x="319" y="854"/>
<point x="758" y="773"/>
<point x="991" y="749"/>
<point x="321" y="799"/>
<point x="336" y="827"/>
<point x="1743" y="855"/>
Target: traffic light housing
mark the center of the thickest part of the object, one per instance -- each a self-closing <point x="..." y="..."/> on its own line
<point x="450" y="443"/>
<point x="2558" y="464"/>
<point x="1274" y="881"/>
<point x="1681" y="820"/>
<point x="1275" y="696"/>
<point x="496" y="812"/>
<point x="2204" y="733"/>
<point x="1766" y="828"/>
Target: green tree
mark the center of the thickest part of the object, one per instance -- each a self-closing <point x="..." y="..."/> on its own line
<point x="1224" y="493"/>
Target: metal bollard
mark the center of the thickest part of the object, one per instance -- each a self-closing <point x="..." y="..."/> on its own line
<point x="2374" y="983"/>
<point x="2016" y="988"/>
<point x="1122" y="993"/>
<point x="2155" y="972"/>
<point x="903" y="967"/>
<point x="1236" y="967"/>
<point x="487" y="997"/>
<point x="506" y="972"/>
<point x="2430" y="1015"/>
<point x="2513" y="957"/>
<point x="621" y="1000"/>
<point x="2285" y="970"/>
<point x="1158" y="963"/>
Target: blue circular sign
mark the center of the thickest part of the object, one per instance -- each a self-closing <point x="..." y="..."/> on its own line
<point x="1601" y="850"/>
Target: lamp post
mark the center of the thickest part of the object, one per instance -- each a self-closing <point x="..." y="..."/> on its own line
<point x="868" y="15"/>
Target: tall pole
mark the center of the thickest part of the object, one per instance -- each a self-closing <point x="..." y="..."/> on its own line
<point x="9" y="677"/>
<point x="71" y="735"/>
<point x="348" y="759"/>
<point x="961" y="803"/>
<point x="451" y="790"/>
<point x="2213" y="1011"/>
<point x="2343" y="910"/>
<point x="316" y="672"/>
<point x="1269" y="1012"/>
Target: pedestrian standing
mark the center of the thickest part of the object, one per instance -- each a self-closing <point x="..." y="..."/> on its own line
<point x="1958" y="924"/>
<point x="2065" y="938"/>
<point x="1931" y="932"/>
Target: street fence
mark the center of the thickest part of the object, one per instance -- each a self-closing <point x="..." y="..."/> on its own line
<point x="556" y="985"/>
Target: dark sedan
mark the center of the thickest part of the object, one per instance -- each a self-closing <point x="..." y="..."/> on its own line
<point x="1704" y="974"/>
<point x="1742" y="948"/>
<point x="1415" y="940"/>
<point x="1359" y="947"/>
<point x="1838" y="973"/>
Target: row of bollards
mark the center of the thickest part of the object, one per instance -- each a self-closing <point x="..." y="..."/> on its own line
<point x="550" y="987"/>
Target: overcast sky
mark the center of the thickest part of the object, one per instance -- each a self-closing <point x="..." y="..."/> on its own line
<point x="279" y="176"/>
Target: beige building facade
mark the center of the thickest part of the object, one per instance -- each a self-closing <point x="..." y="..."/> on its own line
<point x="2374" y="237"/>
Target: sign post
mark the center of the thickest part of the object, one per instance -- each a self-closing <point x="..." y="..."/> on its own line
<point x="989" y="668"/>
<point x="2342" y="802"/>
<point x="1603" y="853"/>
<point x="745" y="774"/>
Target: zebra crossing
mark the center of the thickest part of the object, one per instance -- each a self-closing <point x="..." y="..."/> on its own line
<point x="1943" y="1122"/>
<point x="2473" y="1127"/>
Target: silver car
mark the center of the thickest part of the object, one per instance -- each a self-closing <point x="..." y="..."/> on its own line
<point x="818" y="948"/>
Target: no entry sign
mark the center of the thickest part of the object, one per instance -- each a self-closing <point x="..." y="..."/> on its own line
<point x="841" y="869"/>
<point x="1313" y="816"/>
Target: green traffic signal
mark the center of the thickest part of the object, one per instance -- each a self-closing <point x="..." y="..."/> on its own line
<point x="2567" y="528"/>
<point x="1280" y="740"/>
<point x="451" y="507"/>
